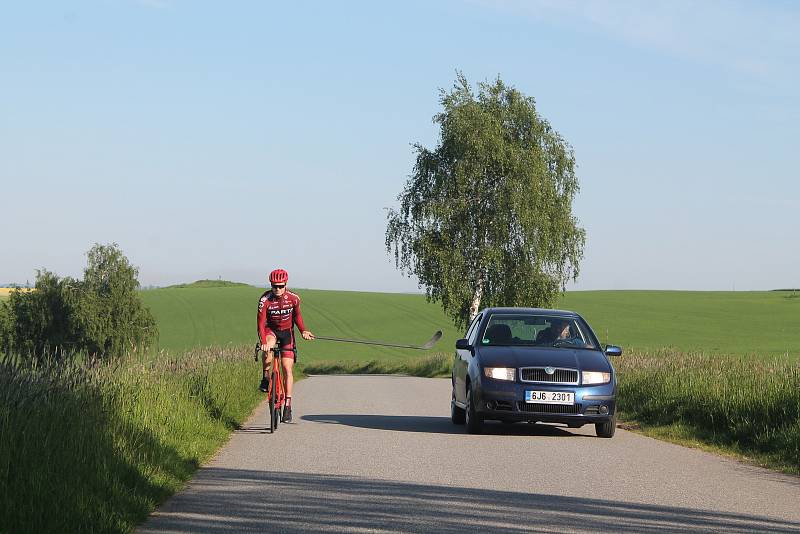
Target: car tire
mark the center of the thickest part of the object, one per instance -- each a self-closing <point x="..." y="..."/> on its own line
<point x="606" y="429"/>
<point x="473" y="420"/>
<point x="457" y="415"/>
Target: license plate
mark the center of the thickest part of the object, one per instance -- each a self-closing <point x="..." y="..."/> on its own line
<point x="550" y="397"/>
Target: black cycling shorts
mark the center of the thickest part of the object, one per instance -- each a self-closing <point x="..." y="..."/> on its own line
<point x="286" y="342"/>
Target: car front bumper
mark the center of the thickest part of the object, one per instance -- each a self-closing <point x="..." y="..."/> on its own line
<point x="505" y="401"/>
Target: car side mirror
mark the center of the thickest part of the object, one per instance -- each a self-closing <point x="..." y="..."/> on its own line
<point x="613" y="350"/>
<point x="463" y="344"/>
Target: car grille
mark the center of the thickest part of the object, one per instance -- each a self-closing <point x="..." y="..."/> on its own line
<point x="559" y="376"/>
<point x="549" y="408"/>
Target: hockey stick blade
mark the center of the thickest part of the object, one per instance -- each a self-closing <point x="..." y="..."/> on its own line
<point x="432" y="341"/>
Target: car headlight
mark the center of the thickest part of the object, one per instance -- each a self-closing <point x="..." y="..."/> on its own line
<point x="595" y="377"/>
<point x="500" y="373"/>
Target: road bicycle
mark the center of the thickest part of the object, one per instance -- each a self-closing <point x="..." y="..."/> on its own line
<point x="276" y="395"/>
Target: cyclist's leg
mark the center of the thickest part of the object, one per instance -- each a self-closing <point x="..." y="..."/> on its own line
<point x="266" y="360"/>
<point x="267" y="354"/>
<point x="287" y="357"/>
<point x="287" y="360"/>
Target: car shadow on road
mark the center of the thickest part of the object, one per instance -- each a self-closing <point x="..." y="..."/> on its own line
<point x="225" y="500"/>
<point x="437" y="425"/>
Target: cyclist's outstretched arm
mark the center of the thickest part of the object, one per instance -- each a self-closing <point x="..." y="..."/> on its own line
<point x="298" y="320"/>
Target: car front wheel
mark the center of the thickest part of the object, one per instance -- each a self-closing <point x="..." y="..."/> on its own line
<point x="474" y="421"/>
<point x="607" y="428"/>
<point x="457" y="415"/>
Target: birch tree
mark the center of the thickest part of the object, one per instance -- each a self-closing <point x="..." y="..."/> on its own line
<point x="486" y="216"/>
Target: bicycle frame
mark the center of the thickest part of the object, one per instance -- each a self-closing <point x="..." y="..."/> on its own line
<point x="276" y="395"/>
<point x="277" y="389"/>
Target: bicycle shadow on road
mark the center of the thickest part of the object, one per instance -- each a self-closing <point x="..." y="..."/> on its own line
<point x="252" y="430"/>
<point x="225" y="500"/>
<point x="436" y="425"/>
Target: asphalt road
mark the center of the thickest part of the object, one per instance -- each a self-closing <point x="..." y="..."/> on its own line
<point x="379" y="454"/>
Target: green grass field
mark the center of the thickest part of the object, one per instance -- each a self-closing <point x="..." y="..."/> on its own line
<point x="737" y="323"/>
<point x="190" y="317"/>
<point x="715" y="322"/>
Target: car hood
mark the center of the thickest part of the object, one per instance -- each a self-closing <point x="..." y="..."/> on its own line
<point x="581" y="359"/>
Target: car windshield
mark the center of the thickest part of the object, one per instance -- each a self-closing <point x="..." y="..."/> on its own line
<point x="536" y="330"/>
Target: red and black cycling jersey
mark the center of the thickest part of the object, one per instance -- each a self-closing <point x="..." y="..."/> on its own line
<point x="278" y="313"/>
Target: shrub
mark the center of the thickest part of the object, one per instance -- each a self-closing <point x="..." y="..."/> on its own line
<point x="38" y="321"/>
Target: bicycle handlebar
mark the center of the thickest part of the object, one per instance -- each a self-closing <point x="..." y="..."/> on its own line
<point x="275" y="349"/>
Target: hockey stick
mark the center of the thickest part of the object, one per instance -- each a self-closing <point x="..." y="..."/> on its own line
<point x="430" y="343"/>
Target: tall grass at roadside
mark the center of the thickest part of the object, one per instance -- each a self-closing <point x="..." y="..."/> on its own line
<point x="95" y="447"/>
<point x="744" y="405"/>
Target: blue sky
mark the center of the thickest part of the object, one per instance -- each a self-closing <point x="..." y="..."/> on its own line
<point x="222" y="139"/>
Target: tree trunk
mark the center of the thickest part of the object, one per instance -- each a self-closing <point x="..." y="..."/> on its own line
<point x="476" y="299"/>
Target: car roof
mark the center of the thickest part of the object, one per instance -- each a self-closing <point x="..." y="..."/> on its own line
<point x="537" y="311"/>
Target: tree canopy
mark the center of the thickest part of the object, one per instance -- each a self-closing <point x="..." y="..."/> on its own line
<point x="108" y="311"/>
<point x="486" y="216"/>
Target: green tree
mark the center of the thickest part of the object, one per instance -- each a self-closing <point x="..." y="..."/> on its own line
<point x="486" y="216"/>
<point x="109" y="314"/>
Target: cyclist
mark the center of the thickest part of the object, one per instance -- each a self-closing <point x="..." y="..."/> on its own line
<point x="278" y="313"/>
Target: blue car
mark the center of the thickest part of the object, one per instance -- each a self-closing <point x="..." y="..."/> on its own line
<point x="534" y="365"/>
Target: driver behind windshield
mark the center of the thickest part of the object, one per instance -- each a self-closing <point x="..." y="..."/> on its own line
<point x="559" y="329"/>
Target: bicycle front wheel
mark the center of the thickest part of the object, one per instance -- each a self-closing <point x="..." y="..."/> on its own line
<point x="271" y="402"/>
<point x="274" y="408"/>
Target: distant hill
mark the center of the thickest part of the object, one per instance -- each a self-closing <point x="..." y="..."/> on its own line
<point x="211" y="283"/>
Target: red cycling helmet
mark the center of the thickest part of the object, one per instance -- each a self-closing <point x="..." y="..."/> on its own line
<point x="278" y="276"/>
